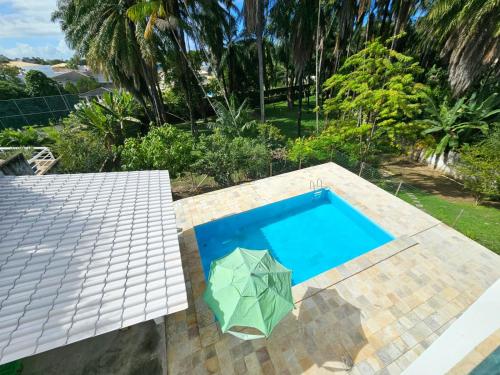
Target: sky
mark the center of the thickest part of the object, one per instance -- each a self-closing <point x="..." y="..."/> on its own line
<point x="26" y="30"/>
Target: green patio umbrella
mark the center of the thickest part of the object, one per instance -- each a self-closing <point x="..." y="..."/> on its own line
<point x="249" y="288"/>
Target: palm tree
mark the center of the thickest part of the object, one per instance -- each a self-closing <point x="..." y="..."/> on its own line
<point x="113" y="44"/>
<point x="168" y="17"/>
<point x="469" y="34"/>
<point x="254" y="23"/>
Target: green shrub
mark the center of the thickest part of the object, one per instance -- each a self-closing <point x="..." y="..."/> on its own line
<point x="81" y="151"/>
<point x="22" y="138"/>
<point x="270" y="136"/>
<point x="165" y="147"/>
<point x="480" y="167"/>
<point x="228" y="160"/>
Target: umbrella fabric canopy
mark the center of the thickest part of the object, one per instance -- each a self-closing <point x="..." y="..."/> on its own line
<point x="249" y="288"/>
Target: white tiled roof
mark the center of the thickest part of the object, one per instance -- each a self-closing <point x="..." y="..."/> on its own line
<point x="84" y="254"/>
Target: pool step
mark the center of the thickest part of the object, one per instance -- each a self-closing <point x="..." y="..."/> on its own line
<point x="317" y="194"/>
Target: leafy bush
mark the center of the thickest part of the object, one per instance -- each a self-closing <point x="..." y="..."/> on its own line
<point x="165" y="147"/>
<point x="229" y="159"/>
<point x="81" y="151"/>
<point x="270" y="136"/>
<point x="480" y="167"/>
<point x="21" y="138"/>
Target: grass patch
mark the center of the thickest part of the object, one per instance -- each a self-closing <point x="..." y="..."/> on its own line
<point x="480" y="223"/>
<point x="279" y="115"/>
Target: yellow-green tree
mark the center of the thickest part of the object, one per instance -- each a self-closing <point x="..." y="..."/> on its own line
<point x="376" y="98"/>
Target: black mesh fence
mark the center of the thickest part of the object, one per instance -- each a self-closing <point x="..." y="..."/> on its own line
<point x="18" y="113"/>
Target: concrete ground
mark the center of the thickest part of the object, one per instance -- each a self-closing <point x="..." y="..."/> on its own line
<point x="374" y="314"/>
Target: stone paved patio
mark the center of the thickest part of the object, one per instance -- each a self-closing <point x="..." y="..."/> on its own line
<point x="375" y="314"/>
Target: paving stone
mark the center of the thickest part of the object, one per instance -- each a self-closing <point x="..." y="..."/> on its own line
<point x="380" y="318"/>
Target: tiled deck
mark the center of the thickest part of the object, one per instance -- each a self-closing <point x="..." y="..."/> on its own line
<point x="377" y="312"/>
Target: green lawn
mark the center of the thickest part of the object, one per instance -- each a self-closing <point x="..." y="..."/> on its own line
<point x="279" y="115"/>
<point x="480" y="223"/>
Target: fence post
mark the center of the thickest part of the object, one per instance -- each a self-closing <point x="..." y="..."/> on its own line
<point x="399" y="187"/>
<point x="361" y="168"/>
<point x="458" y="217"/>
<point x="270" y="169"/>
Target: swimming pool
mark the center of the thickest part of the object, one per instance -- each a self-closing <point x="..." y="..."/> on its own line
<point x="308" y="234"/>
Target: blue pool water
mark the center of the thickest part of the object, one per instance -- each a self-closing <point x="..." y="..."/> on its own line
<point x="308" y="234"/>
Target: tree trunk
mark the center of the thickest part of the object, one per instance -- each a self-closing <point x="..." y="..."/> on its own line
<point x="289" y="93"/>
<point x="299" y="112"/>
<point x="260" y="54"/>
<point x="385" y="13"/>
<point x="401" y="20"/>
<point x="316" y="62"/>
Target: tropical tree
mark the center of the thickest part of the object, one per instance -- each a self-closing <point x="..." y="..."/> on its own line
<point x="303" y="26"/>
<point x="468" y="33"/>
<point x="112" y="117"/>
<point x="38" y="84"/>
<point x="171" y="20"/>
<point x="254" y="23"/>
<point x="459" y="120"/>
<point x="376" y="96"/>
<point x="233" y="120"/>
<point x="101" y="32"/>
<point x="279" y="28"/>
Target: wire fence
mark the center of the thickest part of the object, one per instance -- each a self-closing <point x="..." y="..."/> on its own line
<point x="18" y="113"/>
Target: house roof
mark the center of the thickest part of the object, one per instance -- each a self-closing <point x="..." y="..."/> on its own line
<point x="84" y="254"/>
<point x="95" y="92"/>
<point x="72" y="75"/>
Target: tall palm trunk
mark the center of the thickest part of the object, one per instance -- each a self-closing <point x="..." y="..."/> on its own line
<point x="177" y="36"/>
<point x="317" y="65"/>
<point x="401" y="20"/>
<point x="260" y="54"/>
<point x="151" y="81"/>
<point x="254" y="21"/>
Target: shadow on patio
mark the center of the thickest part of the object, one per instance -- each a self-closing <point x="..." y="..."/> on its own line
<point x="323" y="335"/>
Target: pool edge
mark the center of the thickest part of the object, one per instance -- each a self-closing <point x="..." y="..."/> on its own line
<point x="350" y="268"/>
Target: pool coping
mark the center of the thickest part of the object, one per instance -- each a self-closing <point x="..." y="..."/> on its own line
<point x="337" y="274"/>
